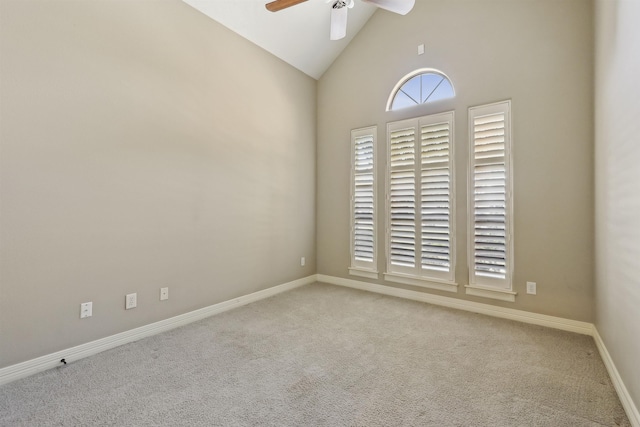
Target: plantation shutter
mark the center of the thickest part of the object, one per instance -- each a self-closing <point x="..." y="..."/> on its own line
<point x="490" y="198"/>
<point x="436" y="202"/>
<point x="402" y="199"/>
<point x="363" y="199"/>
<point x="420" y="198"/>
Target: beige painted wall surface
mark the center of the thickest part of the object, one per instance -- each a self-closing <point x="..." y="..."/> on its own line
<point x="618" y="185"/>
<point x="537" y="53"/>
<point x="143" y="145"/>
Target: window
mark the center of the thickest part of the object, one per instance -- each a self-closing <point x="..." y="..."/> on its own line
<point x="420" y="236"/>
<point x="363" y="203"/>
<point x="490" y="202"/>
<point x="419" y="87"/>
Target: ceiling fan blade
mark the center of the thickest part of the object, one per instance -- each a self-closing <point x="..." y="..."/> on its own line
<point x="397" y="6"/>
<point x="277" y="5"/>
<point x="338" y="23"/>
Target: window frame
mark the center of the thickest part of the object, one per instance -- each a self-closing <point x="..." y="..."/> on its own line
<point x="501" y="289"/>
<point x="417" y="275"/>
<point x="358" y="267"/>
<point x="411" y="75"/>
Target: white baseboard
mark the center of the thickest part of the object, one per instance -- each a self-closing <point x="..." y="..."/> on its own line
<point x="476" y="307"/>
<point x="30" y="367"/>
<point x="625" y="398"/>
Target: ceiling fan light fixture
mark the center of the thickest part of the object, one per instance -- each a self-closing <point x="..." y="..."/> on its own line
<point x="338" y="21"/>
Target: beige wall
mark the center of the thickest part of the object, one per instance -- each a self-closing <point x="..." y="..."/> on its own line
<point x="142" y="146"/>
<point x="618" y="185"/>
<point x="538" y="54"/>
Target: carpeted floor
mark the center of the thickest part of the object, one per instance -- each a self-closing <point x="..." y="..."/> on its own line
<point x="323" y="355"/>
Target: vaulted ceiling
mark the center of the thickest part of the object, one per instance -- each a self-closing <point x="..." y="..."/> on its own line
<point x="298" y="35"/>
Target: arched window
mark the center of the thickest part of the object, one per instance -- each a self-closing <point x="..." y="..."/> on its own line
<point x="419" y="87"/>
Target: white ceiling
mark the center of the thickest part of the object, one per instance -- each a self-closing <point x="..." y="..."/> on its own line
<point x="298" y="35"/>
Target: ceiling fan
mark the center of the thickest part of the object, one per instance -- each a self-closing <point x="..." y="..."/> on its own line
<point x="339" y="11"/>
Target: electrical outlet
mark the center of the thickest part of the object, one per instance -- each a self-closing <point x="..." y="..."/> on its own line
<point x="164" y="294"/>
<point x="531" y="288"/>
<point x="131" y="301"/>
<point x="302" y="261"/>
<point x="421" y="49"/>
<point x="86" y="309"/>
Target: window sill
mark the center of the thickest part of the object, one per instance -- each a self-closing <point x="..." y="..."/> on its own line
<point x="369" y="274"/>
<point x="499" y="294"/>
<point x="422" y="282"/>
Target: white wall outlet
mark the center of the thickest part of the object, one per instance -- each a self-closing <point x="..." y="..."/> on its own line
<point x="302" y="261"/>
<point x="164" y="294"/>
<point x="421" y="49"/>
<point x="86" y="309"/>
<point x="130" y="301"/>
<point x="531" y="288"/>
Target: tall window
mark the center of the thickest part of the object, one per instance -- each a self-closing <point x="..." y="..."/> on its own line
<point x="419" y="87"/>
<point x="363" y="203"/>
<point x="490" y="202"/>
<point x="420" y="235"/>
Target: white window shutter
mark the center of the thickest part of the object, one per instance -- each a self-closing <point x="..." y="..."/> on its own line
<point x="420" y="235"/>
<point x="402" y="197"/>
<point x="436" y="197"/>
<point x="363" y="198"/>
<point x="489" y="200"/>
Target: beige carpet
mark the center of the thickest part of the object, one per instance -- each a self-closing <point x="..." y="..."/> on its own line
<point x="329" y="356"/>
